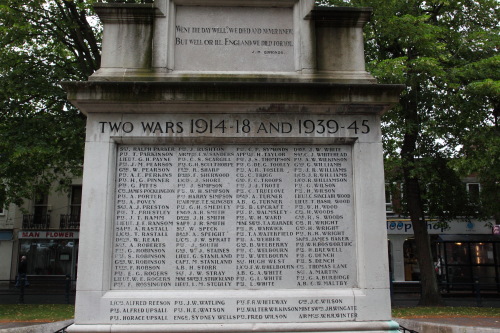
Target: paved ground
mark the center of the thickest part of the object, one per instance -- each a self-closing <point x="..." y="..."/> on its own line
<point x="480" y="325"/>
<point x="474" y="322"/>
<point x="34" y="327"/>
<point x="451" y="325"/>
<point x="17" y="324"/>
<point x="432" y="325"/>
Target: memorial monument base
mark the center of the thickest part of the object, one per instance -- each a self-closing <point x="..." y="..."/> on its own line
<point x="233" y="177"/>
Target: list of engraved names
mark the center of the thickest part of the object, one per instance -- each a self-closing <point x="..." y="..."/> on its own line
<point x="234" y="217"/>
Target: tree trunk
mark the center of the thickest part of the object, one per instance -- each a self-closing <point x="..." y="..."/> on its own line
<point x="430" y="295"/>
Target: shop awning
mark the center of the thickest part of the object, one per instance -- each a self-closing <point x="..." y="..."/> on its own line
<point x="6" y="235"/>
<point x="468" y="238"/>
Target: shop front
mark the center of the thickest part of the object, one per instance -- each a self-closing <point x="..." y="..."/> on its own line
<point x="50" y="253"/>
<point x="464" y="253"/>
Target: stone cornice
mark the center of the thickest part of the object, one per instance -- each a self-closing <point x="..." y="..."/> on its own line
<point x="231" y="97"/>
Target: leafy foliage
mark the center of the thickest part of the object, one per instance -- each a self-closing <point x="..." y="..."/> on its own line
<point x="42" y="42"/>
<point x="446" y="53"/>
<point x="446" y="124"/>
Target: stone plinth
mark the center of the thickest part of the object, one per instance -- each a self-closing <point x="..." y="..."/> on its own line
<point x="233" y="176"/>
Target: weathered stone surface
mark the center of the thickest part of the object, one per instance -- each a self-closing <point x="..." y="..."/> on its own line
<point x="233" y="176"/>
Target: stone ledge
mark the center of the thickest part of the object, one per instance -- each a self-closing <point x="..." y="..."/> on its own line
<point x="340" y="16"/>
<point x="339" y="327"/>
<point x="127" y="12"/>
<point x="241" y="96"/>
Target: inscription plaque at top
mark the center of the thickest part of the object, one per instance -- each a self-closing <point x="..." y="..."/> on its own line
<point x="234" y="39"/>
<point x="234" y="217"/>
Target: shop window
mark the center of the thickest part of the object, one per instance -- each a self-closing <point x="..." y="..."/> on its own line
<point x="485" y="275"/>
<point x="49" y="257"/>
<point x="468" y="262"/>
<point x="412" y="268"/>
<point x="483" y="259"/>
<point x="459" y="276"/>
<point x="458" y="264"/>
<point x="458" y="269"/>
<point x="497" y="253"/>
<point x="482" y="253"/>
<point x="457" y="254"/>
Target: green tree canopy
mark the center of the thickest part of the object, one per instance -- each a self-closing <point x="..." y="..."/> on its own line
<point x="446" y="53"/>
<point x="42" y="42"/>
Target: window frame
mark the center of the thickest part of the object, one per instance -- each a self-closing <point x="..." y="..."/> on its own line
<point x="478" y="194"/>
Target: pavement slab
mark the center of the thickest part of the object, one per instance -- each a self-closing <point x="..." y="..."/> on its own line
<point x="452" y="324"/>
<point x="33" y="327"/>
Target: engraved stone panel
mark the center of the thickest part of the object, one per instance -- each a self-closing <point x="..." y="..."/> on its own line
<point x="232" y="310"/>
<point x="234" y="217"/>
<point x="234" y="39"/>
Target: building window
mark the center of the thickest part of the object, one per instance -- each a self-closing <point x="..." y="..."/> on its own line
<point x="40" y="208"/>
<point x="388" y="199"/>
<point x="40" y="219"/>
<point x="72" y="220"/>
<point x="76" y="201"/>
<point x="2" y="209"/>
<point x="473" y="189"/>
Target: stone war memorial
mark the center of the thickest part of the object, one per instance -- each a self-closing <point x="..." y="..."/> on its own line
<point x="233" y="177"/>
